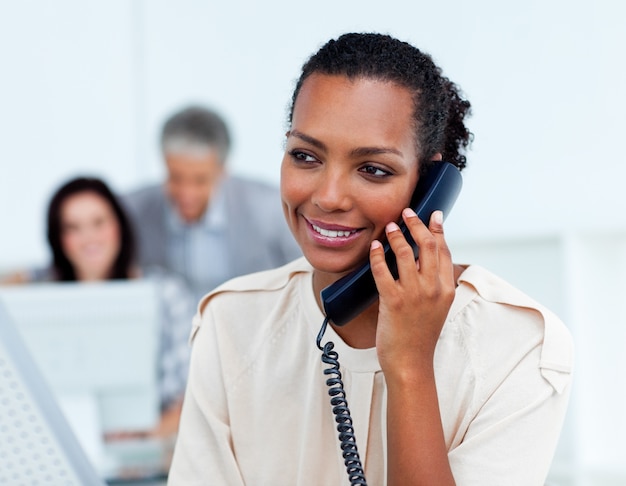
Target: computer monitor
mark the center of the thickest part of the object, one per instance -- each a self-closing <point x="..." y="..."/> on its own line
<point x="97" y="347"/>
<point x="37" y="445"/>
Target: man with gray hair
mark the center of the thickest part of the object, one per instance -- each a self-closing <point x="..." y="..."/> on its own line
<point x="204" y="223"/>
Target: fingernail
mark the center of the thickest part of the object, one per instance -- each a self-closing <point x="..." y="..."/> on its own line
<point x="409" y="213"/>
<point x="438" y="217"/>
<point x="376" y="244"/>
<point x="392" y="227"/>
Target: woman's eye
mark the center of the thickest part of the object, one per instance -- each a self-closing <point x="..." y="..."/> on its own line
<point x="375" y="171"/>
<point x="302" y="156"/>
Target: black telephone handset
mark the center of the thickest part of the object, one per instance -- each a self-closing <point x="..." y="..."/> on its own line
<point x="355" y="292"/>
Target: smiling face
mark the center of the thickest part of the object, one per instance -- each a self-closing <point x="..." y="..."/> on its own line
<point x="350" y="167"/>
<point x="90" y="235"/>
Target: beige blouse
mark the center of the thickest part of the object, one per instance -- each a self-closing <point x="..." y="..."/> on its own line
<point x="257" y="409"/>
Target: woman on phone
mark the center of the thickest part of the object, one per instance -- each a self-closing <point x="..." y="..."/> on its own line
<point x="452" y="376"/>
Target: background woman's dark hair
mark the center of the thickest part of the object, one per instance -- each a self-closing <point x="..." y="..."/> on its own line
<point x="62" y="267"/>
<point x="439" y="109"/>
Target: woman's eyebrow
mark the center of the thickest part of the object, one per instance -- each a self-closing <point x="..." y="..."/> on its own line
<point x="308" y="139"/>
<point x="357" y="152"/>
<point x="366" y="151"/>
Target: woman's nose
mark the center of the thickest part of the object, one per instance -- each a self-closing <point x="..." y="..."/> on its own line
<point x="333" y="194"/>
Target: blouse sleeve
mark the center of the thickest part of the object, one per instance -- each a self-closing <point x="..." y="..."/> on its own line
<point x="512" y="439"/>
<point x="522" y="359"/>
<point x="203" y="453"/>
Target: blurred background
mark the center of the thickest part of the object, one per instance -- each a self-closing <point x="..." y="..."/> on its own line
<point x="85" y="87"/>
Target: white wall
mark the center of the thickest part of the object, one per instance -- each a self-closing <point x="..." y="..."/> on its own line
<point x="86" y="85"/>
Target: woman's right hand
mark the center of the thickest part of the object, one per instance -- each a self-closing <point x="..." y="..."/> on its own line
<point x="412" y="309"/>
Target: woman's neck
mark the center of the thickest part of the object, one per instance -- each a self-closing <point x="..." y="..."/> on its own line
<point x="91" y="276"/>
<point x="359" y="333"/>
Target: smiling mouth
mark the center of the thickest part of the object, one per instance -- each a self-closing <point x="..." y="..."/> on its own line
<point x="333" y="233"/>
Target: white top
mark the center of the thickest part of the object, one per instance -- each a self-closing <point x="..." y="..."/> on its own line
<point x="257" y="409"/>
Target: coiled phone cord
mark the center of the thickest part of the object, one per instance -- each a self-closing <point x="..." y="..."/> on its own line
<point x="341" y="410"/>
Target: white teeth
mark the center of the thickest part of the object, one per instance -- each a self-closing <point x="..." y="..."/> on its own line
<point x="332" y="233"/>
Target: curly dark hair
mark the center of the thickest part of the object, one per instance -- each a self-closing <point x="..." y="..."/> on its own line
<point x="439" y="106"/>
<point x="61" y="266"/>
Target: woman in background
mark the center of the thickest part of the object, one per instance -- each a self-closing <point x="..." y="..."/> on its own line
<point x="91" y="239"/>
<point x="89" y="234"/>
